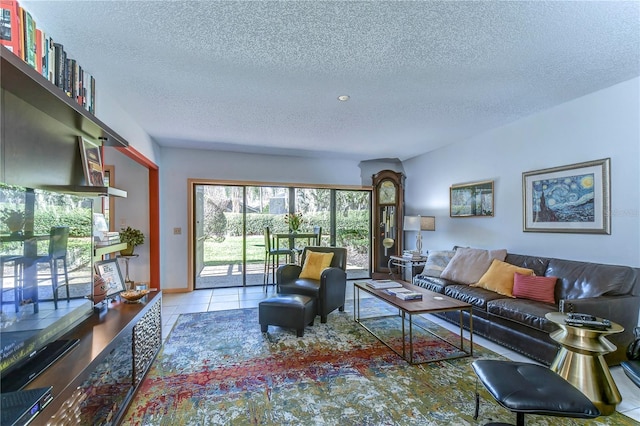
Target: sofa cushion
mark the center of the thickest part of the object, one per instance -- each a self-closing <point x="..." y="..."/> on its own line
<point x="434" y="284"/>
<point x="499" y="277"/>
<point x="584" y="279"/>
<point x="314" y="264"/>
<point x="534" y="288"/>
<point x="437" y="260"/>
<point x="469" y="264"/>
<point x="538" y="264"/>
<point x="476" y="296"/>
<point x="523" y="311"/>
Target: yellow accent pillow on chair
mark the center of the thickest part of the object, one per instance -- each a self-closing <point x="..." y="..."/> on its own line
<point x="314" y="264"/>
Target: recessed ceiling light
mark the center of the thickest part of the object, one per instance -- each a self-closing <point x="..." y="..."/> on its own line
<point x="343" y="98"/>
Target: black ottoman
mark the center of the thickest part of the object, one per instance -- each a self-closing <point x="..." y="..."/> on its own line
<point x="530" y="388"/>
<point x="632" y="370"/>
<point x="287" y="310"/>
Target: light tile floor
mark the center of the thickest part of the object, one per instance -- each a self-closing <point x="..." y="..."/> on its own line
<point x="235" y="298"/>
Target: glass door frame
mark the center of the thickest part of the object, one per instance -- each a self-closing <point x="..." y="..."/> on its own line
<point x="191" y="214"/>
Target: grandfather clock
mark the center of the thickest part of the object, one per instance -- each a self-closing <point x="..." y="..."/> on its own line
<point x="388" y="211"/>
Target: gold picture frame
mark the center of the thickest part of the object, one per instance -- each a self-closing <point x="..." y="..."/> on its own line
<point x="471" y="199"/>
<point x="91" y="162"/>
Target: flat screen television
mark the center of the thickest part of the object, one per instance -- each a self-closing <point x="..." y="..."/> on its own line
<point x="30" y="321"/>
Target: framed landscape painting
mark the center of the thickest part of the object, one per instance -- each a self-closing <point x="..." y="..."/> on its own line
<point x="471" y="199"/>
<point x="573" y="198"/>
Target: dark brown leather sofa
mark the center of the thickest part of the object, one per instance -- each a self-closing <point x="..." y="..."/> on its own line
<point x="607" y="291"/>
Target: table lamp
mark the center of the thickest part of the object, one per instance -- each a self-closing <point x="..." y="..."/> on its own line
<point x="419" y="223"/>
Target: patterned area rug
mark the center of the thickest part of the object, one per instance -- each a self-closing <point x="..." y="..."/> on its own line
<point x="218" y="368"/>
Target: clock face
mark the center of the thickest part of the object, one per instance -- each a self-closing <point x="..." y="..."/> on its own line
<point x="387" y="192"/>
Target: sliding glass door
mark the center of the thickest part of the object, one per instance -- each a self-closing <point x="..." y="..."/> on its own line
<point x="219" y="242"/>
<point x="230" y="220"/>
<point x="265" y="207"/>
<point x="353" y="230"/>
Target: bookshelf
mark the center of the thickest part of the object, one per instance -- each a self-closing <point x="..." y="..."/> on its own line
<point x="27" y="84"/>
<point x="35" y="110"/>
<point x="39" y="149"/>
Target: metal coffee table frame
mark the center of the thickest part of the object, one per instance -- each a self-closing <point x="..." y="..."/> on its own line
<point x="431" y="303"/>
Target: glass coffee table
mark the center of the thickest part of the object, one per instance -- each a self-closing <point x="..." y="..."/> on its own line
<point x="430" y="303"/>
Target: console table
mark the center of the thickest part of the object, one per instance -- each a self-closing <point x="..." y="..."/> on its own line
<point x="407" y="266"/>
<point x="95" y="382"/>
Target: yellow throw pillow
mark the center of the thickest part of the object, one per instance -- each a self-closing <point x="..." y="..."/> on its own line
<point x="499" y="277"/>
<point x="314" y="263"/>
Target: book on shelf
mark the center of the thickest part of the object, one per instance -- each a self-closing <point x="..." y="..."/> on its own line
<point x="61" y="63"/>
<point x="51" y="60"/>
<point x="69" y="76"/>
<point x="10" y="31"/>
<point x="29" y="33"/>
<point x="92" y="98"/>
<point x="383" y="284"/>
<point x="39" y="47"/>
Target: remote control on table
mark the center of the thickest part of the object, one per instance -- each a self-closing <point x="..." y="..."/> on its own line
<point x="603" y="325"/>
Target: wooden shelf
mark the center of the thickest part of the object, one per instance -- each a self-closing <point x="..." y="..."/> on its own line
<point x="27" y="84"/>
<point x="88" y="191"/>
<point x="100" y="251"/>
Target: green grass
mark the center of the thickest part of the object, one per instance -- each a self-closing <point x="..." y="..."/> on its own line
<point x="229" y="251"/>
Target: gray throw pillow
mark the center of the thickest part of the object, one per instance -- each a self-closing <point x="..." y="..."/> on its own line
<point x="469" y="264"/>
<point x="437" y="260"/>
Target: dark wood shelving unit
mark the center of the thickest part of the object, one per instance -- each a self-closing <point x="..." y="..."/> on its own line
<point x="27" y="84"/>
<point x="117" y="344"/>
<point x="130" y="332"/>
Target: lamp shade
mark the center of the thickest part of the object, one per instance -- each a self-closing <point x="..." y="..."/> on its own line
<point x="411" y="223"/>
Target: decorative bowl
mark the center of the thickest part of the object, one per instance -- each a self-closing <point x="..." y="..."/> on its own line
<point x="134" y="296"/>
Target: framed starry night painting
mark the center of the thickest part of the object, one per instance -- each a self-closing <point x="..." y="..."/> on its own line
<point x="574" y="198"/>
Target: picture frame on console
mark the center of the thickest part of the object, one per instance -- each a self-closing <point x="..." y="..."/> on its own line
<point x="109" y="271"/>
<point x="91" y="162"/>
<point x="471" y="199"/>
<point x="575" y="198"/>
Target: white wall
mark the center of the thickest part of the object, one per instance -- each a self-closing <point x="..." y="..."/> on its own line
<point x="134" y="210"/>
<point x="109" y="111"/>
<point x="600" y="125"/>
<point x="178" y="165"/>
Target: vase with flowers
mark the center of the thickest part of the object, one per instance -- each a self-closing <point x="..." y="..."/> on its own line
<point x="294" y="220"/>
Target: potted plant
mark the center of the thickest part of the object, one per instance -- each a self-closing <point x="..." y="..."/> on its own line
<point x="133" y="237"/>
<point x="14" y="219"/>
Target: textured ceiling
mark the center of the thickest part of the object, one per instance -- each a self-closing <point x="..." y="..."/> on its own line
<point x="265" y="76"/>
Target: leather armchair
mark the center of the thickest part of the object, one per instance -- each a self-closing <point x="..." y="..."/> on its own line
<point x="329" y="291"/>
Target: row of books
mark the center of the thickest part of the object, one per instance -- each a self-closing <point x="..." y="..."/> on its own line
<point x="394" y="288"/>
<point x="404" y="293"/>
<point x="413" y="255"/>
<point x="20" y="35"/>
<point x="108" y="238"/>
